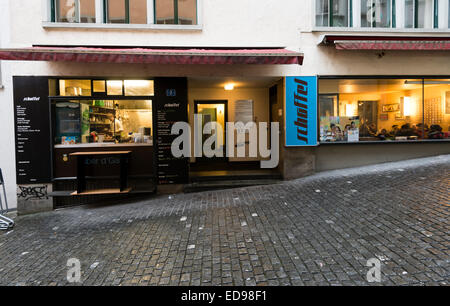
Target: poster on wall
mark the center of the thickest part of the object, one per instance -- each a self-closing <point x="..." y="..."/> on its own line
<point x="301" y="111"/>
<point x="243" y="111"/>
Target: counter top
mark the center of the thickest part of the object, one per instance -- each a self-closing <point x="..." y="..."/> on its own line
<point x="102" y="145"/>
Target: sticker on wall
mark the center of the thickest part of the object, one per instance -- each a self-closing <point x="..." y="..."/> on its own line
<point x="301" y="111"/>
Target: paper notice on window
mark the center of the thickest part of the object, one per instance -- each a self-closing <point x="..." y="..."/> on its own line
<point x="353" y="135"/>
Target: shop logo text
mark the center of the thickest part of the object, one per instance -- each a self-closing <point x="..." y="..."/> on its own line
<point x="301" y="103"/>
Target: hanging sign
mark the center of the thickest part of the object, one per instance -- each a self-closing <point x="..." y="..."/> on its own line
<point x="301" y="111"/>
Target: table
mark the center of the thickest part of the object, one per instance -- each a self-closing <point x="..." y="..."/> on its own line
<point x="81" y="177"/>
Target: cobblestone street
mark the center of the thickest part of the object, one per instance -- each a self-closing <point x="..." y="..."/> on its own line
<point x="319" y="230"/>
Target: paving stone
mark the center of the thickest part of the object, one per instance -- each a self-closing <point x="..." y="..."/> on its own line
<point x="284" y="234"/>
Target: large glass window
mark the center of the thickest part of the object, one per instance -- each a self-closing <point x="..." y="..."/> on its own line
<point x="74" y="11"/>
<point x="376" y="13"/>
<point x="333" y="13"/>
<point x="437" y="108"/>
<point x="103" y="121"/>
<point x="176" y="12"/>
<point x="126" y="11"/>
<point x="353" y="110"/>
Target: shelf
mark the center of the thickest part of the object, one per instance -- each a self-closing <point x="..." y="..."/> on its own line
<point x="102" y="192"/>
<point x="99" y="114"/>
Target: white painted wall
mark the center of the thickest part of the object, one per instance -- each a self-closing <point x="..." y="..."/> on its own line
<point x="7" y="151"/>
<point x="231" y="23"/>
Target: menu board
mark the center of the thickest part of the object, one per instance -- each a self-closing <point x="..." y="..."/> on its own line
<point x="32" y="126"/>
<point x="171" y="107"/>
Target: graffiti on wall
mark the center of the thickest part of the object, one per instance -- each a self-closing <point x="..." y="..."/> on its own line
<point x="29" y="193"/>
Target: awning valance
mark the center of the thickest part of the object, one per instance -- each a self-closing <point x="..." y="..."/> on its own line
<point x="154" y="56"/>
<point x="352" y="42"/>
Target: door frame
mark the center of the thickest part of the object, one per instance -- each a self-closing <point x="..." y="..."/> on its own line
<point x="225" y="103"/>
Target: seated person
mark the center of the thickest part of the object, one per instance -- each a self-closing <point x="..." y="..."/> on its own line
<point x="422" y="130"/>
<point x="383" y="135"/>
<point x="395" y="130"/>
<point x="336" y="132"/>
<point x="406" y="130"/>
<point x="372" y="130"/>
<point x="435" y="132"/>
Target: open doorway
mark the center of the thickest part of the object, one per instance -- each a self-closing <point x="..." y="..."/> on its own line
<point x="213" y="111"/>
<point x="248" y="100"/>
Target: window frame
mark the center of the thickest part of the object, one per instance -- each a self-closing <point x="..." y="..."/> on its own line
<point x="175" y="12"/>
<point x="440" y="19"/>
<point x="54" y="13"/>
<point x="392" y="15"/>
<point x="49" y="19"/>
<point x="330" y="14"/>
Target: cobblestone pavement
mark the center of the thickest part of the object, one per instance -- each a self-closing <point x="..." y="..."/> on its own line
<point x="319" y="230"/>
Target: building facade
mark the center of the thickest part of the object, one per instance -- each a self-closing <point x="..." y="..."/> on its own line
<point x="88" y="76"/>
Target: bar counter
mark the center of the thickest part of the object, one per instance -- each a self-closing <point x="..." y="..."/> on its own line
<point x="140" y="163"/>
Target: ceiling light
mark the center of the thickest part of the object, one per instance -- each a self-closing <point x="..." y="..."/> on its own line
<point x="229" y="86"/>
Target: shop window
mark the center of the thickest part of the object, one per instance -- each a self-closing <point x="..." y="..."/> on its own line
<point x="139" y="88"/>
<point x="353" y="110"/>
<point x="103" y="121"/>
<point x="377" y="13"/>
<point x="437" y="108"/>
<point x="176" y="12"/>
<point x="333" y="13"/>
<point x="114" y="88"/>
<point x="126" y="11"/>
<point x="73" y="11"/>
<point x="74" y="88"/>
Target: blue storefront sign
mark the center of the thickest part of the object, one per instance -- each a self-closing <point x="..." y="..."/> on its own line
<point x="301" y="111"/>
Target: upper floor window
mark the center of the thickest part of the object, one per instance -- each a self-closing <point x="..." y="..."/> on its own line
<point x="418" y="13"/>
<point x="79" y="11"/>
<point x="333" y="13"/>
<point x="376" y="13"/>
<point x="126" y="11"/>
<point x="173" y="12"/>
<point x="176" y="12"/>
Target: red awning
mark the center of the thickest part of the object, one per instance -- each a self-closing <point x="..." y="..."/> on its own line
<point x="154" y="56"/>
<point x="353" y="42"/>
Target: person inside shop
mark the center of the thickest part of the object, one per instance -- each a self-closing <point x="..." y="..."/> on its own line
<point x="435" y="132"/>
<point x="395" y="130"/>
<point x="406" y="130"/>
<point x="383" y="135"/>
<point x="336" y="132"/>
<point x="422" y="130"/>
<point x="116" y="124"/>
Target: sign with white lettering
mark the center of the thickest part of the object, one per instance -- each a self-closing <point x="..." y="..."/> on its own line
<point x="301" y="111"/>
<point x="32" y="123"/>
<point x="171" y="106"/>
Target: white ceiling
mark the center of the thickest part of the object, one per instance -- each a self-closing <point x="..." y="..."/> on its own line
<point x="239" y="82"/>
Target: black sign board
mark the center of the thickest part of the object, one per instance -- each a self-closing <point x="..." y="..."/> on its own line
<point x="171" y="107"/>
<point x="32" y="126"/>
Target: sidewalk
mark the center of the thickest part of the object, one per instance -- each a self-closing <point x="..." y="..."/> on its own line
<point x="320" y="230"/>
